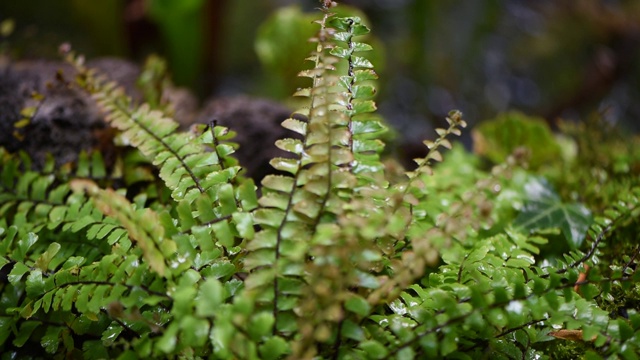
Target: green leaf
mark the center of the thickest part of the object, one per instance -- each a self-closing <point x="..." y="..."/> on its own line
<point x="16" y="274"/>
<point x="185" y="215"/>
<point x="352" y="331"/>
<point x="244" y="225"/>
<point x="341" y="52"/>
<point x="211" y="295"/>
<point x="294" y="146"/>
<point x="274" y="348"/>
<point x="26" y="329"/>
<point x="261" y="325"/>
<point x="219" y="270"/>
<point x="545" y="210"/>
<point x="626" y="331"/>
<point x="227" y="199"/>
<point x="247" y="195"/>
<point x="592" y="355"/>
<point x="203" y="236"/>
<point x="35" y="283"/>
<point x="24" y="245"/>
<point x="111" y="333"/>
<point x="363" y="92"/>
<point x="221" y="338"/>
<point x="223" y="233"/>
<point x="295" y="125"/>
<point x="287" y="165"/>
<point x="373" y="349"/>
<point x="360" y="62"/>
<point x="94" y="349"/>
<point x="98" y="168"/>
<point x="358" y="305"/>
<point x="205" y="209"/>
<point x="3" y="261"/>
<point x="449" y="343"/>
<point x="359" y="127"/>
<point x="194" y="331"/>
<point x="51" y="339"/>
<point x="361" y="107"/>
<point x="43" y="261"/>
<point x="168" y="341"/>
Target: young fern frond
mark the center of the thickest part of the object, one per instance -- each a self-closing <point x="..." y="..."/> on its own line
<point x="455" y="121"/>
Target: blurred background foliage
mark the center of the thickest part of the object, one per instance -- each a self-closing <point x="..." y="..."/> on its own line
<point x="546" y="58"/>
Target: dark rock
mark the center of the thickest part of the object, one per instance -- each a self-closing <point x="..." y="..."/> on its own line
<point x="65" y="117"/>
<point x="67" y="120"/>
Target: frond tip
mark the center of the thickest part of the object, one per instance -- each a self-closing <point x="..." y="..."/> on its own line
<point x="456" y="122"/>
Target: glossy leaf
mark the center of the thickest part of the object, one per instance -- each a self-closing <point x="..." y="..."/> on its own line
<point x="544" y="209"/>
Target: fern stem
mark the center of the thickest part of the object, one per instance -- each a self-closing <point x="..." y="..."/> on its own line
<point x="338" y="343"/>
<point x="633" y="258"/>
<point x="351" y="74"/>
<point x="124" y="326"/>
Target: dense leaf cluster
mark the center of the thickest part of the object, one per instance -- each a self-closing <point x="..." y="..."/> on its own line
<point x="340" y="257"/>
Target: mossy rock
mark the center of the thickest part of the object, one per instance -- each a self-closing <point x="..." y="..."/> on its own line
<point x="498" y="138"/>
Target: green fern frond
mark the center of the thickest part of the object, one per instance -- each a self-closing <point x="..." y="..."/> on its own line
<point x="291" y="208"/>
<point x="184" y="163"/>
<point x="496" y="283"/>
<point x="142" y="226"/>
<point x="43" y="203"/>
<point x="216" y="202"/>
<point x="333" y="194"/>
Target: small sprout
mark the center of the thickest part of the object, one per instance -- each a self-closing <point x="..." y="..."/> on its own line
<point x="455" y="117"/>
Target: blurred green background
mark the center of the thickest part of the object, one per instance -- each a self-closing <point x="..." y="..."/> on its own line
<point x="551" y="58"/>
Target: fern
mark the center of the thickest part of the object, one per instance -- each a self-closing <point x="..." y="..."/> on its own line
<point x="336" y="259"/>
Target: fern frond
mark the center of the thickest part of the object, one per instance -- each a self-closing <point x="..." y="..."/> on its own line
<point x="39" y="203"/>
<point x="184" y="163"/>
<point x="455" y="121"/>
<point x="291" y="208"/>
<point x="142" y="226"/>
<point x="333" y="194"/>
<point x="215" y="203"/>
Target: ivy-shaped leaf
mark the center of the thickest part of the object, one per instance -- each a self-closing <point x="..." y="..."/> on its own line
<point x="545" y="210"/>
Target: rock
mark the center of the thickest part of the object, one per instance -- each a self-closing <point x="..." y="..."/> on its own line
<point x="64" y="119"/>
<point x="67" y="120"/>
